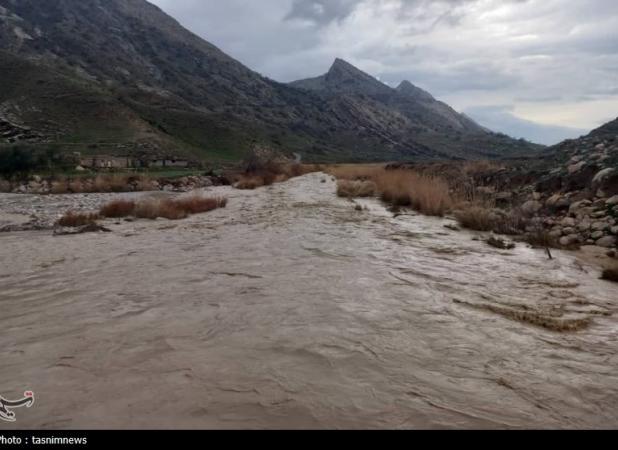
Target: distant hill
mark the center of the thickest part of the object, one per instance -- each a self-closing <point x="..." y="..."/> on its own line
<point x="123" y="73"/>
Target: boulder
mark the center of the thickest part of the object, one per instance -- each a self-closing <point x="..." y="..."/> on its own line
<point x="607" y="242"/>
<point x="600" y="226"/>
<point x="568" y="222"/>
<point x="574" y="168"/>
<point x="597" y="235"/>
<point x="607" y="181"/>
<point x="531" y="207"/>
<point x="570" y="240"/>
<point x="579" y="205"/>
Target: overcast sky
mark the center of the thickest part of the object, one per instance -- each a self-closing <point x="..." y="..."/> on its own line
<point x="540" y="69"/>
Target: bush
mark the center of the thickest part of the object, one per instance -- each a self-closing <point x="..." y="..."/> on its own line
<point x="117" y="209"/>
<point x="475" y="218"/>
<point x="356" y="189"/>
<point x="172" y="209"/>
<point x="75" y="219"/>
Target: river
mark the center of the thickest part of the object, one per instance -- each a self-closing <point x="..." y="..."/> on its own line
<point x="290" y="309"/>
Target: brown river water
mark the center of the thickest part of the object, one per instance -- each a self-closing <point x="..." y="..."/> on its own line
<point x="289" y="309"/>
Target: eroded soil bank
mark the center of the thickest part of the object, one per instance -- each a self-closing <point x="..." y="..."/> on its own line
<point x="291" y="309"/>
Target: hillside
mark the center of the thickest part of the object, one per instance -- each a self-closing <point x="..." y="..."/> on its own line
<point x="162" y="86"/>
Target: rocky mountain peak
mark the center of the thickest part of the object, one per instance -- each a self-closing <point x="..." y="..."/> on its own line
<point x="414" y="92"/>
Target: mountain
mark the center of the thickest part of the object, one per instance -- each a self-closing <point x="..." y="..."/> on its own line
<point x="121" y="74"/>
<point x="407" y="116"/>
<point x="589" y="163"/>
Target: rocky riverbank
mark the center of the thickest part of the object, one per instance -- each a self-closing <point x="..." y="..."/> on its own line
<point x="108" y="183"/>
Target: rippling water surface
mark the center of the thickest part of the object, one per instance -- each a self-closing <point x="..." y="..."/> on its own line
<point x="289" y="309"/>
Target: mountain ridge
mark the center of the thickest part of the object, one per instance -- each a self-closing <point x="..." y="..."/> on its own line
<point x="190" y="93"/>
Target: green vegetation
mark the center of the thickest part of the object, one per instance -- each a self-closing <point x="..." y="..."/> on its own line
<point x="19" y="161"/>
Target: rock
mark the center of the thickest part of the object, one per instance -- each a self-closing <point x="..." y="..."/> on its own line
<point x="531" y="207"/>
<point x="584" y="225"/>
<point x="614" y="230"/>
<point x="579" y="205"/>
<point x="576" y="167"/>
<point x="452" y="227"/>
<point x="570" y="240"/>
<point x="607" y="181"/>
<point x="598" y="214"/>
<point x="597" y="235"/>
<point x="600" y="226"/>
<point x="90" y="228"/>
<point x="611" y="254"/>
<point x="568" y="222"/>
<point x="607" y="242"/>
<point x="569" y="230"/>
<point x="500" y="243"/>
<point x="556" y="233"/>
<point x="612" y="201"/>
<point x="558" y="202"/>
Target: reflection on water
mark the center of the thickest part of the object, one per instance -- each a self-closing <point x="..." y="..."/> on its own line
<point x="291" y="309"/>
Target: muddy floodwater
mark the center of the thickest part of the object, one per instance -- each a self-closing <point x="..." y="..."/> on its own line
<point x="289" y="309"/>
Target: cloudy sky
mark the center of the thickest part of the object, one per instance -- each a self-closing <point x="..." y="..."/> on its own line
<point x="540" y="69"/>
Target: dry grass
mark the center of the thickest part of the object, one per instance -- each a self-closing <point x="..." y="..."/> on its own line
<point x="197" y="204"/>
<point x="155" y="208"/>
<point x="118" y="208"/>
<point x="172" y="209"/>
<point x="74" y="219"/>
<point x="271" y="173"/>
<point x="426" y="194"/>
<point x="475" y="218"/>
<point x="472" y="168"/>
<point x="479" y="217"/>
<point x="111" y="183"/>
<point x="356" y="188"/>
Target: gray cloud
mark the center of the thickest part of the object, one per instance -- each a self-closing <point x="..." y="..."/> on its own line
<point x="321" y="12"/>
<point x="555" y="61"/>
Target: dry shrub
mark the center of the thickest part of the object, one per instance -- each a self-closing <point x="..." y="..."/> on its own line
<point x="155" y="208"/>
<point x="472" y="168"/>
<point x="480" y="218"/>
<point x="400" y="187"/>
<point x="117" y="209"/>
<point x="172" y="209"/>
<point x="74" y="219"/>
<point x="197" y="204"/>
<point x="249" y="182"/>
<point x="475" y="218"/>
<point x="354" y="171"/>
<point x="76" y="186"/>
<point x="5" y="186"/>
<point x="428" y="195"/>
<point x="356" y="189"/>
<point x="269" y="174"/>
<point x="110" y="183"/>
